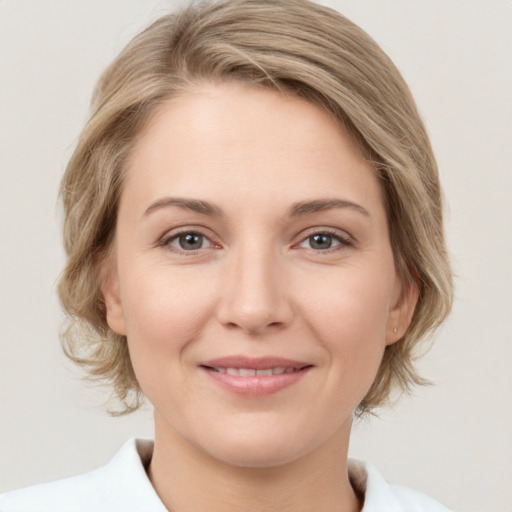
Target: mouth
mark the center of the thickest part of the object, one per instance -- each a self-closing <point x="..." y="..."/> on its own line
<point x="254" y="377"/>
<point x="252" y="372"/>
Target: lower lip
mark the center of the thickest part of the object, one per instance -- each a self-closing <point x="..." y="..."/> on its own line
<point x="257" y="386"/>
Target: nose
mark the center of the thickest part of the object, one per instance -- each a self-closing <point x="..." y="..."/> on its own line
<point x="255" y="293"/>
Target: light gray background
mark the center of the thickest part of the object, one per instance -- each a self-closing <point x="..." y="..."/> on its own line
<point x="451" y="441"/>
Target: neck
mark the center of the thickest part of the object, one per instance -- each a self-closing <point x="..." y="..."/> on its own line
<point x="188" y="480"/>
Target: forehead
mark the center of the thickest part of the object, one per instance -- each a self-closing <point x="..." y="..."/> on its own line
<point x="237" y="138"/>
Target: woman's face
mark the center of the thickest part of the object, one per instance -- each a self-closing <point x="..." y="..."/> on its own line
<point x="253" y="277"/>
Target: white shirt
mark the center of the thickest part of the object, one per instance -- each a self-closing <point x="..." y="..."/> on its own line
<point x="122" y="485"/>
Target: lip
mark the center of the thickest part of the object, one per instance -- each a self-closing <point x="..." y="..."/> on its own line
<point x="289" y="372"/>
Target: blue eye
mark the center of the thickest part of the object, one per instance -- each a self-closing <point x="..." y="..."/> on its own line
<point x="189" y="241"/>
<point x="324" y="241"/>
<point x="321" y="241"/>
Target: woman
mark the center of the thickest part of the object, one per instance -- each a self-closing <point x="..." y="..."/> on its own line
<point x="255" y="244"/>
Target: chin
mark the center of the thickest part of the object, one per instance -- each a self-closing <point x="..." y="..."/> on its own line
<point x="256" y="455"/>
<point x="262" y="446"/>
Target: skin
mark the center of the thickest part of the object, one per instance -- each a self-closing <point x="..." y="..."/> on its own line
<point x="256" y="285"/>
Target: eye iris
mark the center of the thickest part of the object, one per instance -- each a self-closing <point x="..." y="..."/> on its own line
<point x="191" y="241"/>
<point x="320" y="241"/>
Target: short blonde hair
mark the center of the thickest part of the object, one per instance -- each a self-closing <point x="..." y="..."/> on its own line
<point x="295" y="46"/>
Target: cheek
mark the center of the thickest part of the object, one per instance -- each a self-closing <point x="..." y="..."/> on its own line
<point x="350" y="317"/>
<point x="164" y="312"/>
<point x="356" y="300"/>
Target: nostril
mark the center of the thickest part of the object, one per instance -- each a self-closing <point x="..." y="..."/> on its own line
<point x="254" y="309"/>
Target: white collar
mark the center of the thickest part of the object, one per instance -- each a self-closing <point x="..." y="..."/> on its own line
<point x="122" y="485"/>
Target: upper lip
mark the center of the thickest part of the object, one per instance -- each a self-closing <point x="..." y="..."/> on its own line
<point x="256" y="363"/>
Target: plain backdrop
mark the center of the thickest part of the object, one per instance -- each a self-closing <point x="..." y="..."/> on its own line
<point x="453" y="440"/>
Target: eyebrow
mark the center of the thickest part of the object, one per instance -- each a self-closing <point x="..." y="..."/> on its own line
<point x="194" y="205"/>
<point x="318" y="205"/>
<point x="296" y="210"/>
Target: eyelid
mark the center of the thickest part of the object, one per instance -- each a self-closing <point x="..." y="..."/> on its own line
<point x="165" y="240"/>
<point x="344" y="238"/>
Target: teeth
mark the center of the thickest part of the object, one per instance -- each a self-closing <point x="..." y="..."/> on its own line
<point x="251" y="372"/>
<point x="264" y="372"/>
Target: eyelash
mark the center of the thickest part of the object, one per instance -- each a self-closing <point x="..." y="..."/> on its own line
<point x="344" y="241"/>
<point x="166" y="242"/>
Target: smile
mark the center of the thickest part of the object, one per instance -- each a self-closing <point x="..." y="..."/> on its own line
<point x="251" y="372"/>
<point x="254" y="377"/>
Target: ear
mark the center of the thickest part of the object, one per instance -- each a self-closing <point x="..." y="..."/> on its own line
<point x="400" y="315"/>
<point x="112" y="297"/>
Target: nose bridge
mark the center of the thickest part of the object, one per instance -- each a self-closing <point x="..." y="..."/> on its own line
<point x="254" y="293"/>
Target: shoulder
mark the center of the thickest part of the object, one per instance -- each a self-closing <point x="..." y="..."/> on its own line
<point x="380" y="496"/>
<point x="72" y="494"/>
<point x="120" y="485"/>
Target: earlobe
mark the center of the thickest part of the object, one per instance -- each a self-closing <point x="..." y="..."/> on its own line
<point x="401" y="314"/>
<point x="112" y="298"/>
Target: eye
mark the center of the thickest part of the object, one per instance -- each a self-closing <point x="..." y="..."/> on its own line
<point x="320" y="241"/>
<point x="187" y="241"/>
<point x="324" y="241"/>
